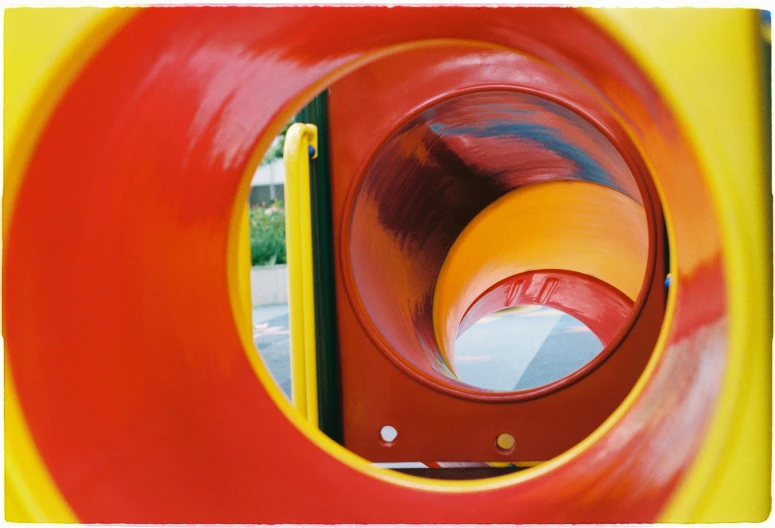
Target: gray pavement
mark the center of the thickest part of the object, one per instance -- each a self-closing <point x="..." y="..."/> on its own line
<point x="509" y="350"/>
<point x="523" y="348"/>
<point x="272" y="339"/>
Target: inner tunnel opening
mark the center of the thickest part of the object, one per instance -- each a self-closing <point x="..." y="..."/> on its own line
<point x="489" y="204"/>
<point x="485" y="201"/>
<point x="499" y="204"/>
<point x="523" y="347"/>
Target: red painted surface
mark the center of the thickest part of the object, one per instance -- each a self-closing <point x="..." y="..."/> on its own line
<point x="128" y="366"/>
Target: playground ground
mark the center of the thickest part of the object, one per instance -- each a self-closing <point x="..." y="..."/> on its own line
<point x="512" y="349"/>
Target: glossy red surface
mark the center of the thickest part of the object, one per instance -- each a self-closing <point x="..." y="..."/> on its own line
<point x="401" y="197"/>
<point x="128" y="366"/>
<point x="440" y="168"/>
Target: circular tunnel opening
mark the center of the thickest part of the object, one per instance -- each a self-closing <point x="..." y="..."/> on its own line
<point x="523" y="347"/>
<point x="488" y="200"/>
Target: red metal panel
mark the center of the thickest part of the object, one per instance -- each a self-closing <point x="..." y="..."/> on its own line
<point x="401" y="196"/>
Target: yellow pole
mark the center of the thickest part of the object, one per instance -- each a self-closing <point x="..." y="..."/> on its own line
<point x="298" y="236"/>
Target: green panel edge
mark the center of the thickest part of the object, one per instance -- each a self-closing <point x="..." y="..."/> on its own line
<point x="327" y="344"/>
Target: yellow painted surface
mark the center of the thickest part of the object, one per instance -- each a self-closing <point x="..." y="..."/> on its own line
<point x="30" y="493"/>
<point x="245" y="303"/>
<point x="298" y="239"/>
<point x="569" y="225"/>
<point x="706" y="63"/>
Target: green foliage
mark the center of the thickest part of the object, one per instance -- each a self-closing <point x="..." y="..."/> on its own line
<point x="267" y="224"/>
<point x="267" y="235"/>
<point x="275" y="151"/>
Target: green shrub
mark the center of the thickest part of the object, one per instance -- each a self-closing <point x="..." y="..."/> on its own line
<point x="267" y="235"/>
<point x="275" y="151"/>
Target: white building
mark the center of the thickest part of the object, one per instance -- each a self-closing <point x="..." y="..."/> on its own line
<point x="268" y="183"/>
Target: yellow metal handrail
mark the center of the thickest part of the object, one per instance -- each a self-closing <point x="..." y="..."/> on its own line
<point x="298" y="238"/>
